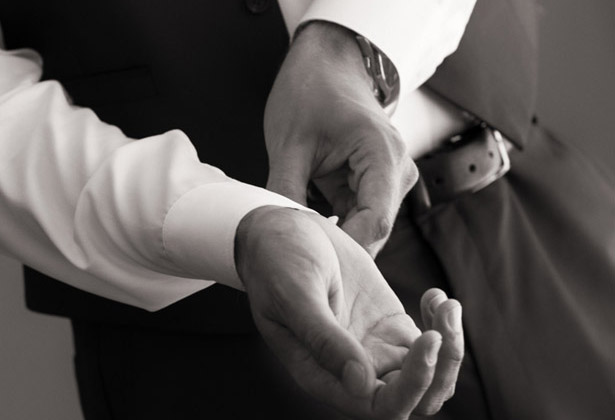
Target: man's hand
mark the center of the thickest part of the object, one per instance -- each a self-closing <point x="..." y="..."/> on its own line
<point x="323" y="123"/>
<point x="328" y="314"/>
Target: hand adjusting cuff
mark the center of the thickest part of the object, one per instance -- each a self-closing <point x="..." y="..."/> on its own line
<point x="385" y="79"/>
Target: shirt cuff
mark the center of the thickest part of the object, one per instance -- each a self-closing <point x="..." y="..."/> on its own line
<point x="416" y="35"/>
<point x="199" y="229"/>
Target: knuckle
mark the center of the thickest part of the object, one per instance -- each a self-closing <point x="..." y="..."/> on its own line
<point x="382" y="228"/>
<point x="389" y="140"/>
<point x="400" y="146"/>
<point x="285" y="185"/>
<point x="398" y="150"/>
<point x="455" y="354"/>
<point x="411" y="175"/>
<point x="399" y="158"/>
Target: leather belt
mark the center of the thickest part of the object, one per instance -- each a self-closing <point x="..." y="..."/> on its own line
<point x="467" y="163"/>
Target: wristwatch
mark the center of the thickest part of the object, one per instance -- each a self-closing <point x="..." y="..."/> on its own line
<point x="385" y="80"/>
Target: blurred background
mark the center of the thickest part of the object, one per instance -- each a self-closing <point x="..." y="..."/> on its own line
<point x="576" y="101"/>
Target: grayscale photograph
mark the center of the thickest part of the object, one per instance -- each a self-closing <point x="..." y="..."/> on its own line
<point x="307" y="209"/>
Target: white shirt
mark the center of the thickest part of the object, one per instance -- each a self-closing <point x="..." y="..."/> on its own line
<point x="145" y="222"/>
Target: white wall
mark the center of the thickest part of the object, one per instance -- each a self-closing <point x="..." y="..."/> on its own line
<point x="577" y="98"/>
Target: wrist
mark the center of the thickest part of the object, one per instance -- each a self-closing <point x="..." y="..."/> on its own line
<point x="330" y="43"/>
<point x="326" y="35"/>
<point x="263" y="224"/>
<point x="333" y="43"/>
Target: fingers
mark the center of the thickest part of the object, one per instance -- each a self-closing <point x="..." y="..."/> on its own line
<point x="430" y="301"/>
<point x="289" y="175"/>
<point x="381" y="180"/>
<point x="388" y="343"/>
<point x="370" y="229"/>
<point x="334" y="188"/>
<point x="400" y="397"/>
<point x="444" y="315"/>
<point x="377" y="203"/>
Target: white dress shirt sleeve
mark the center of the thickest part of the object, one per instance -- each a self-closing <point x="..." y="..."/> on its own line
<point x="141" y="222"/>
<point x="416" y="35"/>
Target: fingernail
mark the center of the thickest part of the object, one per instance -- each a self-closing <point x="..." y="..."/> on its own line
<point x="453" y="319"/>
<point x="354" y="378"/>
<point x="432" y="353"/>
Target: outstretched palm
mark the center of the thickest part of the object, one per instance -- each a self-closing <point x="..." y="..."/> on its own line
<point x="326" y="311"/>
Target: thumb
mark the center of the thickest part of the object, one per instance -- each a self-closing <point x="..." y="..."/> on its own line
<point x="380" y="190"/>
<point x="369" y="229"/>
<point x="289" y="176"/>
<point x="320" y="354"/>
<point x="371" y="221"/>
<point x="337" y="351"/>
